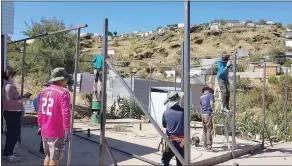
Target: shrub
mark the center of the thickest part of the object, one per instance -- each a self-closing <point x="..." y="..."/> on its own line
<point x="273" y="80"/>
<point x="288" y="63"/>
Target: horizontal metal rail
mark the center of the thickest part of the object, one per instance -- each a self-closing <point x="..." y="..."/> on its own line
<point x="49" y="33"/>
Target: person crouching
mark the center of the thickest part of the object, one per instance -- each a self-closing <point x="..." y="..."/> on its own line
<point x="207" y="101"/>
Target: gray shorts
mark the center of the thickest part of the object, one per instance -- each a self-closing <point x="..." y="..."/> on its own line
<point x="54" y="147"/>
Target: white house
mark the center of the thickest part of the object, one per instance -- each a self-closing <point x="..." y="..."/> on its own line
<point x="161" y="30"/>
<point x="111" y="52"/>
<point x="214" y="27"/>
<point x="135" y="32"/>
<point x="7" y="25"/>
<point x="269" y="22"/>
<point x="250" y="25"/>
<point x="180" y="25"/>
<point x="288" y="43"/>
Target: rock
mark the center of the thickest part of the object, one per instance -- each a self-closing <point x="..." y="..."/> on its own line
<point x="199" y="41"/>
<point x="144" y="55"/>
<point x="173" y="46"/>
<point x="213" y="33"/>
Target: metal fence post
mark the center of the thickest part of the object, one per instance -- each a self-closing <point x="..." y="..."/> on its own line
<point x="74" y="94"/>
<point x="182" y="73"/>
<point x="175" y="68"/>
<point x="131" y="104"/>
<point x="186" y="84"/>
<point x="264" y="105"/>
<point x="234" y="105"/>
<point x="103" y="99"/>
<point x="23" y="67"/>
<point x="286" y="104"/>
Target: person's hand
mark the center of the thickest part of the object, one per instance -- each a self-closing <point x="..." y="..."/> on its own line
<point x="229" y="63"/>
<point x="67" y="136"/>
<point x="22" y="100"/>
<point x="39" y="131"/>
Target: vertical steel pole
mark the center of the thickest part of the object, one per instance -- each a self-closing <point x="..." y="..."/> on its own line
<point x="212" y="77"/>
<point x="150" y="85"/>
<point x="234" y="105"/>
<point x="286" y="104"/>
<point x="74" y="94"/>
<point x="186" y="86"/>
<point x="103" y="99"/>
<point x="49" y="66"/>
<point x="182" y="73"/>
<point x="264" y="105"/>
<point x="175" y="77"/>
<point x="131" y="109"/>
<point x="23" y="67"/>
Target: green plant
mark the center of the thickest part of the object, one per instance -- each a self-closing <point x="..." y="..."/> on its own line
<point x="273" y="80"/>
<point x="288" y="63"/>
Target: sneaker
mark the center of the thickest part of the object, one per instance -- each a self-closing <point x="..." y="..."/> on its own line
<point x="12" y="158"/>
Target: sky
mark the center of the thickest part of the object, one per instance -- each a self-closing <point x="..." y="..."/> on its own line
<point x="144" y="16"/>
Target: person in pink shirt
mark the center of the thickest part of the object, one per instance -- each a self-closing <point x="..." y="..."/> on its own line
<point x="54" y="117"/>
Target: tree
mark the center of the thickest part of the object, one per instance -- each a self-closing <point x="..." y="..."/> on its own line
<point x="222" y="22"/>
<point x="115" y="33"/>
<point x="58" y="49"/>
<point x="159" y="28"/>
<point x="110" y="33"/>
<point x="249" y="21"/>
<point x="261" y="22"/>
<point x="171" y="28"/>
<point x="289" y="26"/>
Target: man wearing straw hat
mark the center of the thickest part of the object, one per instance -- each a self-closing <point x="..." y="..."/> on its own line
<point x="54" y="117"/>
<point x="207" y="107"/>
<point x="173" y="121"/>
<point x="224" y="64"/>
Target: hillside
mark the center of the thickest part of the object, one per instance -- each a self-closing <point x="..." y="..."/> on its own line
<point x="165" y="48"/>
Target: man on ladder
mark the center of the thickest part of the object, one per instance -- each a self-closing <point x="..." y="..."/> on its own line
<point x="224" y="64"/>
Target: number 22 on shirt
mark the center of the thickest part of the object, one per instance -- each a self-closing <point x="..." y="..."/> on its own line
<point x="47" y="104"/>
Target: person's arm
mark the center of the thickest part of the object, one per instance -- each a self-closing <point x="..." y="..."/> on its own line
<point x="65" y="108"/>
<point x="163" y="121"/>
<point x="94" y="60"/>
<point x="222" y="69"/>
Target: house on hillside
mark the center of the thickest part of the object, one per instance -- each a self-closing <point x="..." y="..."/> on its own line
<point x="288" y="43"/>
<point x="161" y="30"/>
<point x="270" y="22"/>
<point x="180" y="25"/>
<point x="7" y="25"/>
<point x="250" y="25"/>
<point x="287" y="35"/>
<point x="231" y="23"/>
<point x="172" y="26"/>
<point x="111" y="52"/>
<point x="214" y="27"/>
<point x="135" y="32"/>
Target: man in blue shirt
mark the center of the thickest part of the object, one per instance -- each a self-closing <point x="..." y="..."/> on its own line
<point x="97" y="65"/>
<point x="173" y="121"/>
<point x="207" y="107"/>
<point x="224" y="64"/>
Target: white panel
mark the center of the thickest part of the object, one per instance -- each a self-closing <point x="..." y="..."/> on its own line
<point x="7" y="12"/>
<point x="157" y="107"/>
<point x="288" y="43"/>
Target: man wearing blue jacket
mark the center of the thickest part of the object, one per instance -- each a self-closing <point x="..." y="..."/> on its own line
<point x="224" y="64"/>
<point x="97" y="65"/>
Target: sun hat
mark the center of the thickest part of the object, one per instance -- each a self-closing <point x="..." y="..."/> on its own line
<point x="58" y="74"/>
<point x="207" y="88"/>
<point x="173" y="98"/>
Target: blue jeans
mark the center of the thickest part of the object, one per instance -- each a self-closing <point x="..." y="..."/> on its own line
<point x="168" y="155"/>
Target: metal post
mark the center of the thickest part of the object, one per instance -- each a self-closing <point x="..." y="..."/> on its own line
<point x="103" y="99"/>
<point x="175" y="77"/>
<point x="131" y="109"/>
<point x="264" y="106"/>
<point x="234" y="105"/>
<point x="171" y="146"/>
<point x="49" y="66"/>
<point x="186" y="85"/>
<point x="212" y="77"/>
<point x="23" y="67"/>
<point x="286" y="104"/>
<point x="182" y="72"/>
<point x="150" y="86"/>
<point x="74" y="94"/>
